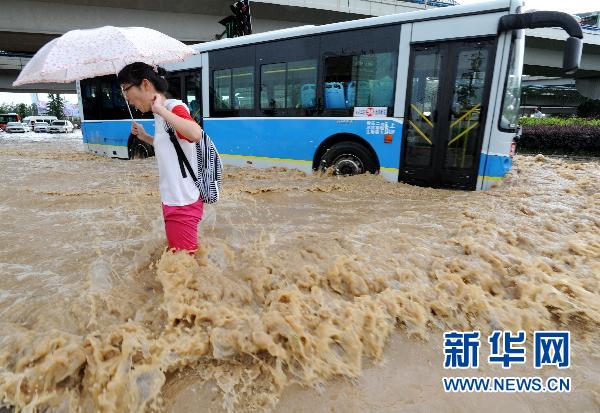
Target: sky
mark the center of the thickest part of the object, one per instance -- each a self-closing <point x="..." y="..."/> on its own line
<point x="7" y="97"/>
<point x="569" y="6"/>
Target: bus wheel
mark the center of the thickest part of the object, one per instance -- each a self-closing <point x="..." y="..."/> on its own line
<point x="348" y="158"/>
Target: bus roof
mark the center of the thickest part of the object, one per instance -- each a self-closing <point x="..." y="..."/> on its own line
<point x="476" y="8"/>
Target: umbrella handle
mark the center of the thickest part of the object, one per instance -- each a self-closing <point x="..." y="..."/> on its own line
<point x="123" y="93"/>
<point x="126" y="102"/>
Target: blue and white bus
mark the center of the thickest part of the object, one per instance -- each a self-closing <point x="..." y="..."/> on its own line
<point x="428" y="97"/>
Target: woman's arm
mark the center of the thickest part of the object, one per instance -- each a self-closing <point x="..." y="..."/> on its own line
<point x="188" y="128"/>
<point x="147" y="138"/>
<point x="139" y="131"/>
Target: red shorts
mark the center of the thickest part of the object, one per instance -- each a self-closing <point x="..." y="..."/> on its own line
<point x="181" y="225"/>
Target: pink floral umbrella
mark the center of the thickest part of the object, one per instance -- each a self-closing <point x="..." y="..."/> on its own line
<point x="82" y="54"/>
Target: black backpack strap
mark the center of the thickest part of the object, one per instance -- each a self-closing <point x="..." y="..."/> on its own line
<point x="183" y="161"/>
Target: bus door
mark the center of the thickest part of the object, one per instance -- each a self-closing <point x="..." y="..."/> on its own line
<point x="446" y="103"/>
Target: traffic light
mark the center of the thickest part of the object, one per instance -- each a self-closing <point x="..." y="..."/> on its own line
<point x="245" y="21"/>
<point x="240" y="24"/>
<point x="230" y="23"/>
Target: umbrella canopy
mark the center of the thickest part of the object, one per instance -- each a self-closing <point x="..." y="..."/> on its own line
<point x="81" y="54"/>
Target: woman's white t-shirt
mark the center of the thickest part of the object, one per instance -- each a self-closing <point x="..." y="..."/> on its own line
<point x="174" y="189"/>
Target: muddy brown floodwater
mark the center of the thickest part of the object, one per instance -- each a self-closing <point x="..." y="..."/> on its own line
<point x="309" y="293"/>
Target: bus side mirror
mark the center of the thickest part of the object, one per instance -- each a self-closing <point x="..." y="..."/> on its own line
<point x="572" y="55"/>
<point x="538" y="19"/>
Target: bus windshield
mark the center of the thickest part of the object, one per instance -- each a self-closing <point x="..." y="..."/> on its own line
<point x="512" y="88"/>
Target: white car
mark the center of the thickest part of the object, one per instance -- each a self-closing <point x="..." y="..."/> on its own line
<point x="61" y="126"/>
<point x="16" y="127"/>
<point x="41" y="127"/>
<point x="33" y="119"/>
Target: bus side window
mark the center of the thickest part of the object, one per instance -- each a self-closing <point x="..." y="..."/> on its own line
<point x="233" y="89"/>
<point x="174" y="91"/>
<point x="222" y="82"/>
<point x="301" y="82"/>
<point x="272" y="86"/>
<point x="108" y="102"/>
<point x="193" y="95"/>
<point x="243" y="87"/>
<point x="288" y="86"/>
<point x="359" y="80"/>
<point x="88" y="98"/>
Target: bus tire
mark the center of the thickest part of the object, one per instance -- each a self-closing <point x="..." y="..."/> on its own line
<point x="348" y="158"/>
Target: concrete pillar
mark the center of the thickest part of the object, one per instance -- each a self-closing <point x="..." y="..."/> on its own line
<point x="589" y="87"/>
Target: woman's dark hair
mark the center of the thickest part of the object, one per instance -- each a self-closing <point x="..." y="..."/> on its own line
<point x="135" y="73"/>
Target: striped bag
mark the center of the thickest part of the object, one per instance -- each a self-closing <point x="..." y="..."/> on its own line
<point x="210" y="167"/>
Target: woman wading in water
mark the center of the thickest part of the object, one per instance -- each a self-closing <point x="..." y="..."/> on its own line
<point x="145" y="87"/>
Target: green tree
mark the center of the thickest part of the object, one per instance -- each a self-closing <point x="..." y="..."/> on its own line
<point x="56" y="105"/>
<point x="23" y="110"/>
<point x="6" y="108"/>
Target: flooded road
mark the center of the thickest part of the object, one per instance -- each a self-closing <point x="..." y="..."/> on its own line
<point x="302" y="282"/>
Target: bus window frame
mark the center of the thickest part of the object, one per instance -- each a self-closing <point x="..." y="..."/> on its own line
<point x="511" y="51"/>
<point x="286" y="51"/>
<point x="337" y="44"/>
<point x="108" y="115"/>
<point x="170" y="80"/>
<point x="222" y="59"/>
<point x="248" y="55"/>
<point x="182" y="76"/>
